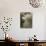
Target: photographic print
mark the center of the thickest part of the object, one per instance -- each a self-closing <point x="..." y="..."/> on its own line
<point x="26" y="20"/>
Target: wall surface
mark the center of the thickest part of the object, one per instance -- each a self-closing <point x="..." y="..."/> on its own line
<point x="12" y="8"/>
